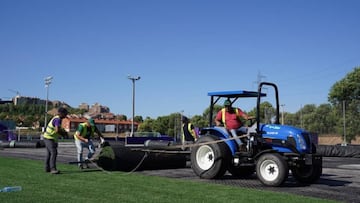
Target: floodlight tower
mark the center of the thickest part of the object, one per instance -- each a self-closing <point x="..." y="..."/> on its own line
<point x="47" y="83"/>
<point x="133" y="79"/>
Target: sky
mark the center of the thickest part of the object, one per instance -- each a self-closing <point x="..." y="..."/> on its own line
<point x="181" y="49"/>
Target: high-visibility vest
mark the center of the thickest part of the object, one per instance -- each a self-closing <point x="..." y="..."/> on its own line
<point x="223" y="113"/>
<point x="84" y="131"/>
<point x="189" y="129"/>
<point x="50" y="130"/>
<point x="192" y="132"/>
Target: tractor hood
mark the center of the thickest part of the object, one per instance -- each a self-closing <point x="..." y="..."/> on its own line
<point x="286" y="138"/>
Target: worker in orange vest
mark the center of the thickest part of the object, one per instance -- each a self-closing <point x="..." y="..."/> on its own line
<point x="231" y="119"/>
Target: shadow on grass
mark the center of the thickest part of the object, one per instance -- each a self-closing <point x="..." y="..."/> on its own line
<point x="289" y="183"/>
<point x="80" y="171"/>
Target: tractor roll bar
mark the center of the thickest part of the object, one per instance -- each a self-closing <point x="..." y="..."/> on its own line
<point x="277" y="121"/>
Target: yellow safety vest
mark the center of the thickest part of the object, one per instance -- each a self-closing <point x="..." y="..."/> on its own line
<point x="223" y="111"/>
<point x="83" y="133"/>
<point x="190" y="130"/>
<point x="50" y="130"/>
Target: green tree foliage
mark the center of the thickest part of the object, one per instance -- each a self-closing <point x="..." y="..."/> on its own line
<point x="347" y="89"/>
<point x="138" y="119"/>
<point x="319" y="119"/>
<point x="206" y="113"/>
<point x="293" y="119"/>
<point x="165" y="125"/>
<point x="345" y="97"/>
<point x="267" y="112"/>
<point x="147" y="125"/>
<point x="307" y="116"/>
<point x="199" y="121"/>
<point x="325" y="119"/>
<point x="23" y="115"/>
<point x="121" y="117"/>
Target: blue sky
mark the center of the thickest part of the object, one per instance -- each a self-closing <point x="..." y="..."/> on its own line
<point x="182" y="49"/>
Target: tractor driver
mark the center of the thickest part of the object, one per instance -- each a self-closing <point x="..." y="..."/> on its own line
<point x="230" y="118"/>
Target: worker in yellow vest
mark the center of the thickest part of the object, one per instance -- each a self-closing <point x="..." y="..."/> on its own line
<point x="51" y="135"/>
<point x="83" y="139"/>
<point x="231" y="119"/>
<point x="188" y="133"/>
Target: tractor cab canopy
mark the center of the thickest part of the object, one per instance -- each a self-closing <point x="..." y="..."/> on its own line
<point x="237" y="93"/>
<point x="234" y="95"/>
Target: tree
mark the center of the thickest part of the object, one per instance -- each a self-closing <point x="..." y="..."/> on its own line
<point x="138" y="119"/>
<point x="147" y="125"/>
<point x="344" y="96"/>
<point x="267" y="112"/>
<point x="162" y="125"/>
<point x="293" y="119"/>
<point x="308" y="117"/>
<point x="347" y="89"/>
<point x="319" y="119"/>
<point x="325" y="119"/>
<point x="206" y="113"/>
<point x="199" y="121"/>
<point x="121" y="117"/>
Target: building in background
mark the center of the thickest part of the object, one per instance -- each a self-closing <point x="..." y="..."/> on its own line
<point x="110" y="127"/>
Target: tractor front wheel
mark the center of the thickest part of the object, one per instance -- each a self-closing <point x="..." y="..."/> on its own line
<point x="272" y="169"/>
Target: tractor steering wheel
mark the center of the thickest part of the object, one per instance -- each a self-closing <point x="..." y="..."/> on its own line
<point x="252" y="120"/>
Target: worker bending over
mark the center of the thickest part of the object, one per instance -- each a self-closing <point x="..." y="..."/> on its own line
<point x="83" y="139"/>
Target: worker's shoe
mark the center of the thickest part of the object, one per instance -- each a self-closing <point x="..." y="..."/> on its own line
<point x="54" y="171"/>
<point x="83" y="166"/>
<point x="86" y="162"/>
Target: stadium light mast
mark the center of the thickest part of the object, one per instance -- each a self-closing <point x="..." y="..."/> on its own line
<point x="344" y="116"/>
<point x="344" y="123"/>
<point x="133" y="79"/>
<point x="47" y="84"/>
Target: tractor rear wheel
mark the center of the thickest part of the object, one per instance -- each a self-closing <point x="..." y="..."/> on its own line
<point x="210" y="160"/>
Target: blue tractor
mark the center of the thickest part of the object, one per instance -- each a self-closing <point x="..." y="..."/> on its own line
<point x="273" y="150"/>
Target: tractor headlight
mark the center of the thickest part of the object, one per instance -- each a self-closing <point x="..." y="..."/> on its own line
<point x="302" y="142"/>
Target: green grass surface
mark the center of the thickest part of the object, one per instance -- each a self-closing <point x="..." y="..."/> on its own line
<point x="73" y="185"/>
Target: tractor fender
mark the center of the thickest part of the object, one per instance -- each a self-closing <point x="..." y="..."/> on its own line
<point x="222" y="133"/>
<point x="264" y="152"/>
